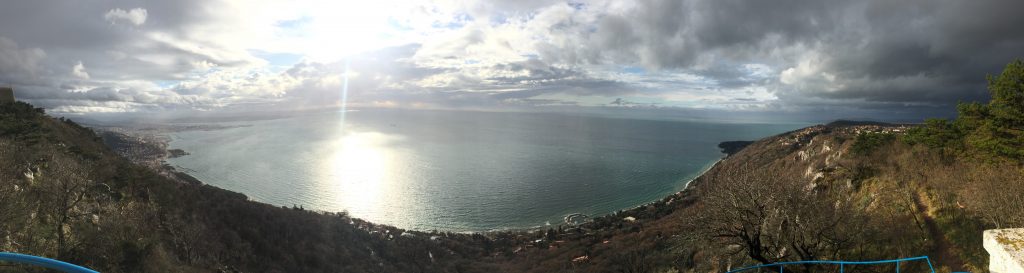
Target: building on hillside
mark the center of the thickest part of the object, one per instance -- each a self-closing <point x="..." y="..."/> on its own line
<point x="6" y="95"/>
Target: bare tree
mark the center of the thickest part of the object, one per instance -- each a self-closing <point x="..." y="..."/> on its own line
<point x="772" y="218"/>
<point x="634" y="261"/>
<point x="997" y="194"/>
<point x="66" y="184"/>
<point x="15" y="175"/>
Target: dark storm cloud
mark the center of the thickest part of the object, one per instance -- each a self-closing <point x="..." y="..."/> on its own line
<point x="877" y="51"/>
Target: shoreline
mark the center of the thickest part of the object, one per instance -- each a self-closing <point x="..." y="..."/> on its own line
<point x="661" y="200"/>
<point x="672" y="197"/>
<point x="158" y="163"/>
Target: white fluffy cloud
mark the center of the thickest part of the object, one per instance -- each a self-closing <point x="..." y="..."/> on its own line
<point x="136" y="16"/>
<point x="79" y="71"/>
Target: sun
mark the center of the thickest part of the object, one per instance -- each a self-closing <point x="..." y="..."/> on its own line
<point x="331" y="30"/>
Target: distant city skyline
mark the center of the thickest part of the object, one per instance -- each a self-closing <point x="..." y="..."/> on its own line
<point x="819" y="59"/>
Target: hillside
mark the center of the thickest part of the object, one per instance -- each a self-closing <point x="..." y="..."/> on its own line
<point x="841" y="191"/>
<point x="868" y="191"/>
<point x="837" y="191"/>
<point x="65" y="195"/>
<point x="898" y="200"/>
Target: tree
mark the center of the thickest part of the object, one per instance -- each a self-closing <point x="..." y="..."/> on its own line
<point x="772" y="218"/>
<point x="998" y="128"/>
<point x="636" y="260"/>
<point x="865" y="143"/>
<point x="996" y="193"/>
<point x="65" y="184"/>
<point x="13" y="204"/>
<point x="936" y="133"/>
<point x="1007" y="90"/>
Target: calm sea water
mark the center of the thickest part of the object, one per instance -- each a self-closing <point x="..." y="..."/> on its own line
<point x="458" y="171"/>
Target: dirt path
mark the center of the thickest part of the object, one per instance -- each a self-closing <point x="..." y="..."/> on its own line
<point x="942" y="254"/>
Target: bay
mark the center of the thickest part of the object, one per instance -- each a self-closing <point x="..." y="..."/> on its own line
<point x="458" y="170"/>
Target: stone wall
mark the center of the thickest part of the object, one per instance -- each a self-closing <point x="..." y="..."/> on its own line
<point x="1005" y="249"/>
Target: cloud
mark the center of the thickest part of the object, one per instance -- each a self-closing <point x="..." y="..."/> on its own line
<point x="19" y="65"/>
<point x="79" y="71"/>
<point x="860" y="52"/>
<point x="730" y="55"/>
<point x="136" y="16"/>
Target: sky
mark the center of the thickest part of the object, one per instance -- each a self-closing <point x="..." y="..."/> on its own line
<point x="876" y="59"/>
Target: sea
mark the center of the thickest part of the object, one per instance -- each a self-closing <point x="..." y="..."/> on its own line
<point x="458" y="171"/>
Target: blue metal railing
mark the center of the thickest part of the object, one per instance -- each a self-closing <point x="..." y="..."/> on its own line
<point x="44" y="262"/>
<point x="842" y="264"/>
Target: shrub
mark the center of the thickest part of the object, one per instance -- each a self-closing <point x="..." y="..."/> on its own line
<point x="865" y="143"/>
<point x="935" y="133"/>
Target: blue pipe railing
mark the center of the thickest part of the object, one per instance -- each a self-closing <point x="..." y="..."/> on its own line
<point x="842" y="264"/>
<point x="44" y="262"/>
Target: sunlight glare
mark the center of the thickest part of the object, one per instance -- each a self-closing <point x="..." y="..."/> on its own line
<point x="340" y="28"/>
<point x="359" y="173"/>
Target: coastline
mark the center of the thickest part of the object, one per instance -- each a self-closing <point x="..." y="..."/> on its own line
<point x="678" y="193"/>
<point x="682" y="194"/>
<point x="677" y="196"/>
<point x="147" y="147"/>
<point x="660" y="201"/>
<point x="156" y="139"/>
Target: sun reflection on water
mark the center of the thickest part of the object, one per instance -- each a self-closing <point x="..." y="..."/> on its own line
<point x="360" y="174"/>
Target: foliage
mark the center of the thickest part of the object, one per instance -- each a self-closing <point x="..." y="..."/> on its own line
<point x="21" y="121"/>
<point x="935" y="133"/>
<point x="993" y="130"/>
<point x="866" y="143"/>
<point x="998" y="128"/>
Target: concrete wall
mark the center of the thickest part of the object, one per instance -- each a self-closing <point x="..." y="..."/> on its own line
<point x="1005" y="249"/>
<point x="6" y="95"/>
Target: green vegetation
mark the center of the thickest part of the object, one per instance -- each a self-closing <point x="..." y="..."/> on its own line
<point x="866" y="143"/>
<point x="993" y="131"/>
<point x="19" y="121"/>
<point x="935" y="133"/>
<point x="991" y="134"/>
<point x="998" y="128"/>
